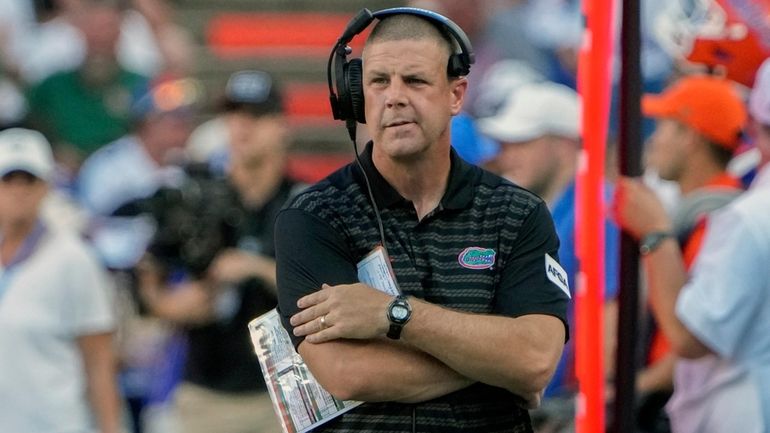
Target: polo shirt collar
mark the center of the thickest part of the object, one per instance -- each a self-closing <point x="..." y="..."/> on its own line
<point x="462" y="181"/>
<point x="458" y="195"/>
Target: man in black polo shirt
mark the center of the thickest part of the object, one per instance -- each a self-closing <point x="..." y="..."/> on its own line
<point x="479" y="332"/>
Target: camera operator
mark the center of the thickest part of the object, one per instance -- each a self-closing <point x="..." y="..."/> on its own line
<point x="223" y="388"/>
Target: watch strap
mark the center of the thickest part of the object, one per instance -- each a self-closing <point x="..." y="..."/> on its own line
<point x="394" y="332"/>
<point x="651" y="241"/>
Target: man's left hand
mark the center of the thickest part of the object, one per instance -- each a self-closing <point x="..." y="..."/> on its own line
<point x="354" y="311"/>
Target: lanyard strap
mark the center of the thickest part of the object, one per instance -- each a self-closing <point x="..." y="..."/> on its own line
<point x="25" y="251"/>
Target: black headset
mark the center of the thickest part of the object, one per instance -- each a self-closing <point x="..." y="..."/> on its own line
<point x="348" y="102"/>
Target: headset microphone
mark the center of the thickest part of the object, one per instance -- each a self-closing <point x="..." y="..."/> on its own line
<point x="356" y="25"/>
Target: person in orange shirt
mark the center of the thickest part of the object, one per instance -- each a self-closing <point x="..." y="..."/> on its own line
<point x="699" y="123"/>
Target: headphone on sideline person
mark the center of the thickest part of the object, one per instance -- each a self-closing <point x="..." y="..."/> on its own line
<point x="348" y="101"/>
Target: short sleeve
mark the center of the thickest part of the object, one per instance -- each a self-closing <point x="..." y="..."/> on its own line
<point x="308" y="253"/>
<point x="100" y="189"/>
<point x="719" y="303"/>
<point x="532" y="281"/>
<point x="92" y="293"/>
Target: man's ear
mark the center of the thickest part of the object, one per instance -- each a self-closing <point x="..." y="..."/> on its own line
<point x="691" y="139"/>
<point x="458" y="87"/>
<point x="567" y="149"/>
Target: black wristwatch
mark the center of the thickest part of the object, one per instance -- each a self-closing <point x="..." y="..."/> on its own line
<point x="651" y="241"/>
<point x="399" y="312"/>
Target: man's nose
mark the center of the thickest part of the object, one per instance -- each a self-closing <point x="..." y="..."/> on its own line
<point x="395" y="93"/>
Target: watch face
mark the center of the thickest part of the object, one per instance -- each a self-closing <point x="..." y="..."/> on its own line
<point x="399" y="312"/>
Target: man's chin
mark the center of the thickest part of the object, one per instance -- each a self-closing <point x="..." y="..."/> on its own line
<point x="407" y="154"/>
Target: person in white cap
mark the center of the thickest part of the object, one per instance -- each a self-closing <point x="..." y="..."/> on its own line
<point x="538" y="128"/>
<point x="718" y="318"/>
<point x="539" y="132"/>
<point x="56" y="312"/>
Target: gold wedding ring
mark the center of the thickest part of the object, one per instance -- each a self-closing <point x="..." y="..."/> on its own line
<point x="323" y="321"/>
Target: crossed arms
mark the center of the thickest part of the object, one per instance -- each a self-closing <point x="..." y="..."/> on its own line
<point x="440" y="350"/>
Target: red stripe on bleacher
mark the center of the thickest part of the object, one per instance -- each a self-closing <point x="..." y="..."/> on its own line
<point x="311" y="168"/>
<point x="307" y="100"/>
<point x="275" y="34"/>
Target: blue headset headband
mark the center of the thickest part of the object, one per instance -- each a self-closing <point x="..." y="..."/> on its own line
<point x="365" y="17"/>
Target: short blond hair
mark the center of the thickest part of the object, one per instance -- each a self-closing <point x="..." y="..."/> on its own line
<point x="406" y="26"/>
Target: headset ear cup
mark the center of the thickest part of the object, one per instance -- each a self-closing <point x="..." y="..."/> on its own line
<point x="456" y="67"/>
<point x="354" y="74"/>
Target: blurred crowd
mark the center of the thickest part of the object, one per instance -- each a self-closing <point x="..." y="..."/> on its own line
<point x="136" y="244"/>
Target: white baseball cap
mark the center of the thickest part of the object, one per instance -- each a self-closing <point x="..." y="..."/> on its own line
<point x="25" y="150"/>
<point x="759" y="100"/>
<point x="497" y="83"/>
<point x="534" y="110"/>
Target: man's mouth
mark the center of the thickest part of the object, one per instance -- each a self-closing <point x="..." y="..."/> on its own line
<point x="396" y="123"/>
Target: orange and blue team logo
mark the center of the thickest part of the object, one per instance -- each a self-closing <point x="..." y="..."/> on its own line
<point x="477" y="258"/>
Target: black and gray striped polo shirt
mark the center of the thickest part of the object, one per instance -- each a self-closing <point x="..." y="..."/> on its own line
<point x="483" y="250"/>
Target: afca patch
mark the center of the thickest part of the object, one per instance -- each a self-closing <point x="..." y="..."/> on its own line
<point x="556" y="274"/>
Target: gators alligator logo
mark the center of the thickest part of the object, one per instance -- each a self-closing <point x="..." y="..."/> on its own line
<point x="477" y="258"/>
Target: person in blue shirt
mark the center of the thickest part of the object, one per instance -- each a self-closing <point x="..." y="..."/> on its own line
<point x="469" y="143"/>
<point x="539" y="143"/>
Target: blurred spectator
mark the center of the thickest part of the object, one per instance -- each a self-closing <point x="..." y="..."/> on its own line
<point x="539" y="134"/>
<point x="717" y="319"/>
<point x="491" y="26"/>
<point x="553" y="31"/>
<point x="213" y="141"/>
<point x="714" y="36"/>
<point x="699" y="122"/>
<point x="209" y="143"/>
<point x="469" y="143"/>
<point x="223" y="388"/>
<point x="13" y="107"/>
<point x="556" y="27"/>
<point x="56" y="311"/>
<point x="43" y="37"/>
<point x="85" y="108"/>
<point x="499" y="81"/>
<point x="719" y="37"/>
<point x="135" y="166"/>
<point x="151" y="42"/>
<point x="112" y="184"/>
